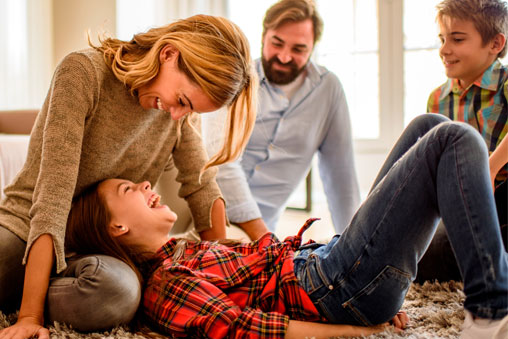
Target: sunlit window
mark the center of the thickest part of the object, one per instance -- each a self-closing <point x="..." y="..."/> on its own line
<point x="349" y="48"/>
<point x="14" y="54"/>
<point x="423" y="70"/>
<point x="26" y="53"/>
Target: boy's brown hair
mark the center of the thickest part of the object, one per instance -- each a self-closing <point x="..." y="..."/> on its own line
<point x="490" y="17"/>
<point x="286" y="11"/>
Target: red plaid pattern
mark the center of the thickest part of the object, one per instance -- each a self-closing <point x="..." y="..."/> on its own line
<point x="218" y="291"/>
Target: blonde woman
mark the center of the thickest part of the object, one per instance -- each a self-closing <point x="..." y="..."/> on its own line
<point x="120" y="109"/>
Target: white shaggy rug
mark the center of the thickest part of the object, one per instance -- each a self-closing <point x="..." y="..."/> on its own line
<point x="435" y="310"/>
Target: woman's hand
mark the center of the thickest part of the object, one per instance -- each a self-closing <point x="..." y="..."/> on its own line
<point x="31" y="313"/>
<point x="25" y="328"/>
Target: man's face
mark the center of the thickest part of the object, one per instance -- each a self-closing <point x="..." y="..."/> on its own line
<point x="286" y="51"/>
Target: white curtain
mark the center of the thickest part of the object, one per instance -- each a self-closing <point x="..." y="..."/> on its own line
<point x="26" y="53"/>
<point x="27" y="47"/>
<point x="134" y="16"/>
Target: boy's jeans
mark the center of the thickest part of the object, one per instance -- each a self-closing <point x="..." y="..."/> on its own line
<point x="94" y="292"/>
<point x="363" y="276"/>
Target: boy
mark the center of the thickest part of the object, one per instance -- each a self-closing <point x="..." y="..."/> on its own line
<point x="473" y="38"/>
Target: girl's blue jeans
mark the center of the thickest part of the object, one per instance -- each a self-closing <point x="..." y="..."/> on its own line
<point x="437" y="168"/>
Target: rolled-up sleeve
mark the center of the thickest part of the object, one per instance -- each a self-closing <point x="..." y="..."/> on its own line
<point x="58" y="136"/>
<point x="240" y="204"/>
<point x="200" y="190"/>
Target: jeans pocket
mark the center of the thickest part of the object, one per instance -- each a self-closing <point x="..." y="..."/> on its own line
<point x="381" y="298"/>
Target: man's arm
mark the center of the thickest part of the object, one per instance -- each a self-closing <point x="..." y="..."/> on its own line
<point x="241" y="208"/>
<point x="218" y="230"/>
<point x="255" y="228"/>
<point x="337" y="165"/>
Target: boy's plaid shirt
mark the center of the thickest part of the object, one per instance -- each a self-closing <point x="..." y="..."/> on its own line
<point x="218" y="291"/>
<point x="483" y="105"/>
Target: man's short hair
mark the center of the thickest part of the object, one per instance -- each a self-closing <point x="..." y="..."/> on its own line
<point x="286" y="11"/>
<point x="490" y="17"/>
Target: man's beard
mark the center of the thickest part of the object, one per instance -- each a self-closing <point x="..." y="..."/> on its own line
<point x="280" y="77"/>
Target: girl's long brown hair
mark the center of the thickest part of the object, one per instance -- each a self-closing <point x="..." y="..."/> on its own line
<point x="87" y="230"/>
<point x="87" y="233"/>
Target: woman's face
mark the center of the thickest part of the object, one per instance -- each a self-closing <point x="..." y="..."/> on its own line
<point x="135" y="210"/>
<point x="172" y="91"/>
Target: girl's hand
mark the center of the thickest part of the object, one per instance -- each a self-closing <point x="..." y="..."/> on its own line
<point x="25" y="328"/>
<point x="400" y="320"/>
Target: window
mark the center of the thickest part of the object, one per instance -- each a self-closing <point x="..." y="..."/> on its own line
<point x="134" y="16"/>
<point x="423" y="70"/>
<point x="26" y="53"/>
<point x="349" y="48"/>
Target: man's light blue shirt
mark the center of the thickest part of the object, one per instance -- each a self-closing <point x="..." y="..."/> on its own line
<point x="279" y="153"/>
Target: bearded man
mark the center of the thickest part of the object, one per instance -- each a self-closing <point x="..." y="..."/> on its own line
<point x="302" y="111"/>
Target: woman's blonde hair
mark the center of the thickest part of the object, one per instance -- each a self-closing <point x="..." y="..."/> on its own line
<point x="213" y="52"/>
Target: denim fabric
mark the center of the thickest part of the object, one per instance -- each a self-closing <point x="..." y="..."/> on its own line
<point x="93" y="293"/>
<point x="363" y="276"/>
<point x="438" y="262"/>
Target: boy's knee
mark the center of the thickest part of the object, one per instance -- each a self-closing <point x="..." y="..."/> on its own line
<point x="94" y="293"/>
<point x="468" y="136"/>
<point x="427" y="121"/>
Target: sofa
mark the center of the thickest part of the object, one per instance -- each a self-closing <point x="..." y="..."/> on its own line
<point x="15" y="127"/>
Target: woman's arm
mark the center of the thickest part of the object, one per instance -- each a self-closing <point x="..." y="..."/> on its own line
<point x="218" y="230"/>
<point x="57" y="134"/>
<point x="304" y="329"/>
<point x="37" y="272"/>
<point x="498" y="159"/>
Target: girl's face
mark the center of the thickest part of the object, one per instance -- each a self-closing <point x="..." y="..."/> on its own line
<point x="172" y="91"/>
<point x="135" y="211"/>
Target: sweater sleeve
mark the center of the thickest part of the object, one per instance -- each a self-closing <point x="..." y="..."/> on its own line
<point x="336" y="163"/>
<point x="199" y="190"/>
<point x="56" y="141"/>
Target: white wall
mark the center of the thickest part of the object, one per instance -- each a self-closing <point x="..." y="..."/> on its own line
<point x="72" y="19"/>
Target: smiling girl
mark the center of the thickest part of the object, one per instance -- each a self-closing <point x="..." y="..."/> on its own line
<point x="351" y="286"/>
